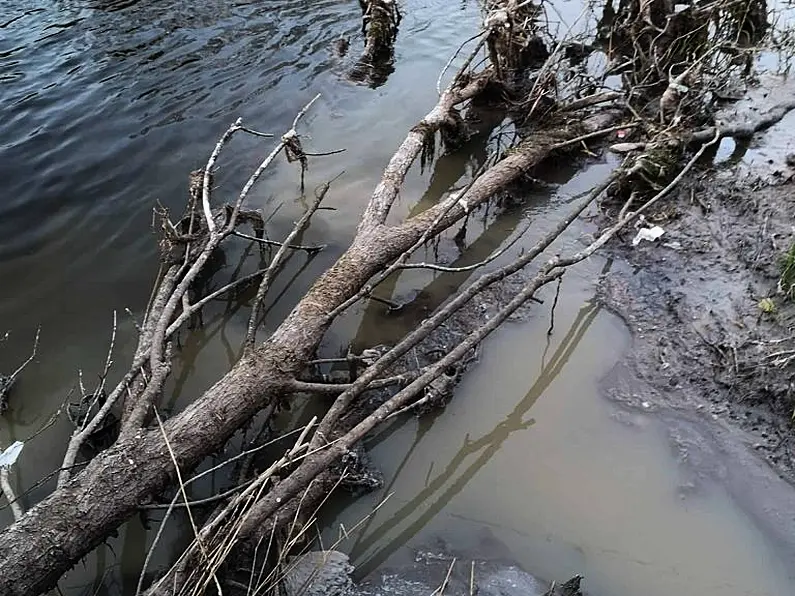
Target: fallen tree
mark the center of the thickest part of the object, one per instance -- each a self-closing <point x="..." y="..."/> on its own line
<point x="551" y="117"/>
<point x="380" y="22"/>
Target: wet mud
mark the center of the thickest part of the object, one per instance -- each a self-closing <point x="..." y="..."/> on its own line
<point x="712" y="329"/>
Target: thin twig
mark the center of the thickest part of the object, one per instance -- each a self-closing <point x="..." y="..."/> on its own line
<point x="208" y="214"/>
<point x="8" y="493"/>
<point x="495" y="255"/>
<point x="325" y="153"/>
<point x="306" y="248"/>
<point x="22" y="366"/>
<point x="593" y="135"/>
<point x="629" y="217"/>
<point x="196" y="306"/>
<point x="184" y="494"/>
<point x="257" y="133"/>
<point x="173" y="503"/>
<point x="453" y="57"/>
<point x="264" y="285"/>
<point x="155" y="541"/>
<point x="309" y="387"/>
<point x="108" y="362"/>
<point x="440" y="589"/>
<point x="213" y="499"/>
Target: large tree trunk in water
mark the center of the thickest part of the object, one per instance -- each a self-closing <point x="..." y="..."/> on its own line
<point x="38" y="549"/>
<point x="67" y="525"/>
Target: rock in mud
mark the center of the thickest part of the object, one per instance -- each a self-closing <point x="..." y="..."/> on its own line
<point x="319" y="573"/>
<point x="569" y="588"/>
<point x="508" y="581"/>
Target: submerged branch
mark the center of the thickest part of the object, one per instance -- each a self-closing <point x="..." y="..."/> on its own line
<point x="7" y="382"/>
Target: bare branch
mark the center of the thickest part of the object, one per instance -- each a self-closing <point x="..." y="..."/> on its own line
<point x="208" y="214"/>
<point x="629" y="217"/>
<point x="277" y="261"/>
<point x="8" y="493"/>
<point x="108" y="362"/>
<point x="257" y="133"/>
<point x="22" y="366"/>
<point x="386" y="192"/>
<point x="455" y="54"/>
<point x="7" y="382"/>
<point x="310" y="249"/>
<point x="332" y="388"/>
<point x="495" y="255"/>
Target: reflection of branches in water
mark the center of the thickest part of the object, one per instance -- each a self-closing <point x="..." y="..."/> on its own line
<point x="448" y="170"/>
<point x="379" y="328"/>
<point x="374" y="328"/>
<point x="489" y="444"/>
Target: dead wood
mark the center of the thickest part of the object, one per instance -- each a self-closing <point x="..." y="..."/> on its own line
<point x="7" y="381"/>
<point x="147" y="459"/>
<point x="380" y="23"/>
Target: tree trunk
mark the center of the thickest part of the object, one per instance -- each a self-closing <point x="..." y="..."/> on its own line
<point x="85" y="509"/>
<point x="57" y="532"/>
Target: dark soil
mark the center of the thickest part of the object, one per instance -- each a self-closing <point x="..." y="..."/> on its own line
<point x="705" y="337"/>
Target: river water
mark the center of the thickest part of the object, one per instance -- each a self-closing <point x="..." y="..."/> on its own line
<point x="106" y="108"/>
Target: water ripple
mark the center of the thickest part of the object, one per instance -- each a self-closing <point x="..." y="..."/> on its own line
<point x="107" y="105"/>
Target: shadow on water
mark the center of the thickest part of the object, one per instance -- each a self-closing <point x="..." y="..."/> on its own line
<point x="439" y="491"/>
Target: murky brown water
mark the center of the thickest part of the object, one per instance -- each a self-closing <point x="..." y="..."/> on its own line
<point x="531" y="457"/>
<point x="106" y="109"/>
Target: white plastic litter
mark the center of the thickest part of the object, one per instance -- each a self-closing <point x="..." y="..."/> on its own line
<point x="10" y="455"/>
<point x="650" y="234"/>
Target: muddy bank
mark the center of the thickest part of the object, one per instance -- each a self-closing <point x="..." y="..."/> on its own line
<point x="712" y="329"/>
<point x="703" y="308"/>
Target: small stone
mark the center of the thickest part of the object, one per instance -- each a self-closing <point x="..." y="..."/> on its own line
<point x="319" y="573"/>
